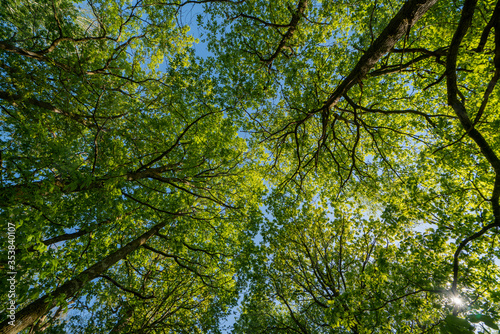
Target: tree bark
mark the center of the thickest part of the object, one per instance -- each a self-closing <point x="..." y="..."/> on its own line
<point x="28" y="315"/>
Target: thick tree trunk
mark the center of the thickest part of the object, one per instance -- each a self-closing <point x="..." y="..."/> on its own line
<point x="38" y="308"/>
<point x="400" y="24"/>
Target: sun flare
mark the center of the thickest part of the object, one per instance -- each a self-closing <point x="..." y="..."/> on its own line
<point x="457" y="301"/>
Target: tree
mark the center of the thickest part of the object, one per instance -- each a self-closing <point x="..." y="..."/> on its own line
<point x="372" y="124"/>
<point x="40" y="307"/>
<point x="343" y="275"/>
<point x="96" y="149"/>
<point x="386" y="104"/>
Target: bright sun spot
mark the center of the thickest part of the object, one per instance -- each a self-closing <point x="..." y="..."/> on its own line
<point x="457" y="300"/>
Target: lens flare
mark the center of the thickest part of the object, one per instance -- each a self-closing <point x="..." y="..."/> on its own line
<point x="457" y="301"/>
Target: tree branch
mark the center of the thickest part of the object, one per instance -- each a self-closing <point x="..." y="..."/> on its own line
<point x="400" y="24"/>
<point x="121" y="287"/>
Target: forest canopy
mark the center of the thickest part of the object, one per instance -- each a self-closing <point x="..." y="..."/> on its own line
<point x="225" y="166"/>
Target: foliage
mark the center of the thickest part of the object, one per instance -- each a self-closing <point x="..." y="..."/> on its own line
<point x="335" y="163"/>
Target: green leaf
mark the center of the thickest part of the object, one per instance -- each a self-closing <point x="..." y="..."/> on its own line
<point x="488" y="321"/>
<point x="454" y="324"/>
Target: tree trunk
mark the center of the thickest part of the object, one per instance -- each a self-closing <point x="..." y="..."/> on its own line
<point x="28" y="315"/>
<point x="400" y="24"/>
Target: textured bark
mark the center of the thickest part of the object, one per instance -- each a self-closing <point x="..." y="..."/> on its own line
<point x="301" y="7"/>
<point x="28" y="315"/>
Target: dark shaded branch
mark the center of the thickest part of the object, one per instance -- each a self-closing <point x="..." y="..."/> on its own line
<point x="179" y="137"/>
<point x="386" y="302"/>
<point x="150" y="173"/>
<point x="437" y="53"/>
<point x="495" y="18"/>
<point x="174" y="257"/>
<point x="267" y="24"/>
<point x="294" y="22"/>
<point x="462" y="245"/>
<point x="150" y="206"/>
<point x="170" y="181"/>
<point x="177" y="259"/>
<point x="389" y="112"/>
<point x="396" y="68"/>
<point x="121" y="287"/>
<point x="63" y="237"/>
<point x="487" y="93"/>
